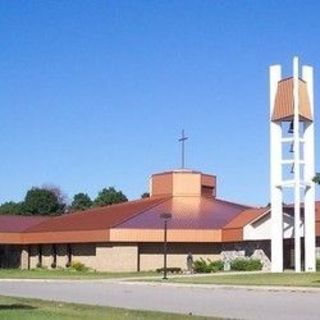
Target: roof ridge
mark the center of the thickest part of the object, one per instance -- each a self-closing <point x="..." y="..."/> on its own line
<point x="107" y="206"/>
<point x="24" y="216"/>
<point x="161" y="200"/>
<point x="236" y="203"/>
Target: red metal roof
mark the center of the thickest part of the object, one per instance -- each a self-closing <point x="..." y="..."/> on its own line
<point x="317" y="210"/>
<point x="246" y="217"/>
<point x="100" y="218"/>
<point x="10" y="223"/>
<point x="187" y="213"/>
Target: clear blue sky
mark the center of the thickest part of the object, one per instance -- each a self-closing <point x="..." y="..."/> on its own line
<point x="95" y="93"/>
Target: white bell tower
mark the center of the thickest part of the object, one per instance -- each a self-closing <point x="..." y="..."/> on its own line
<point x="291" y="102"/>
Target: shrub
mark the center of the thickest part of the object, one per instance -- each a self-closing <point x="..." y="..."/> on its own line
<point x="170" y="269"/>
<point x="53" y="265"/>
<point x="243" y="264"/>
<point x="79" y="266"/>
<point x="203" y="266"/>
<point x="217" y="265"/>
<point x="40" y="266"/>
<point x="318" y="265"/>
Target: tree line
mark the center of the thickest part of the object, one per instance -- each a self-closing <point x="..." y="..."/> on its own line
<point x="50" y="201"/>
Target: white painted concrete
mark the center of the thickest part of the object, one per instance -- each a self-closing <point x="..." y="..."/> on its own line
<point x="309" y="173"/>
<point x="260" y="228"/>
<point x="303" y="173"/>
<point x="297" y="168"/>
<point x="275" y="177"/>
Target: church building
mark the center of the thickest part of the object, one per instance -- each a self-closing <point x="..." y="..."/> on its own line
<point x="130" y="236"/>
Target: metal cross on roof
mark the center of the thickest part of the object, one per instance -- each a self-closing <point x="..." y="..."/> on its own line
<point x="182" y="140"/>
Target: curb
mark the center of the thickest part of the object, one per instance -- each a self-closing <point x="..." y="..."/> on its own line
<point x="228" y="286"/>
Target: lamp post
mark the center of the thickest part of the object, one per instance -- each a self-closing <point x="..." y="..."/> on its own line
<point x="165" y="217"/>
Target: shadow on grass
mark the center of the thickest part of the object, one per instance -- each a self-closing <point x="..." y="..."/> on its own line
<point x="16" y="306"/>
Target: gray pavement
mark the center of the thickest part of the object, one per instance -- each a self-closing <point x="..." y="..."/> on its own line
<point x="227" y="302"/>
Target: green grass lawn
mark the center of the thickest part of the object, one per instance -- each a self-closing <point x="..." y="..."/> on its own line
<point x="257" y="279"/>
<point x="67" y="274"/>
<point x="31" y="309"/>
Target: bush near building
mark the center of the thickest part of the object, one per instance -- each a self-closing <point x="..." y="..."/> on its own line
<point x="242" y="264"/>
<point x="318" y="265"/>
<point x="203" y="266"/>
<point x="79" y="266"/>
<point x="170" y="270"/>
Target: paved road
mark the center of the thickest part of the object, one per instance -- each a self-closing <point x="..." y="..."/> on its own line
<point x="223" y="302"/>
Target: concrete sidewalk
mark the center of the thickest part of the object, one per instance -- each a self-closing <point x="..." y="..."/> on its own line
<point x="136" y="278"/>
<point x="226" y="286"/>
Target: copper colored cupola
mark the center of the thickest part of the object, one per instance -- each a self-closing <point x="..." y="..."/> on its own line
<point x="283" y="106"/>
<point x="183" y="183"/>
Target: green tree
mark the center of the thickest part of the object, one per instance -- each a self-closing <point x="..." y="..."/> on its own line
<point x="81" y="201"/>
<point x="109" y="196"/>
<point x="145" y="195"/>
<point x="11" y="207"/>
<point x="40" y="201"/>
<point x="316" y="179"/>
<point x="62" y="198"/>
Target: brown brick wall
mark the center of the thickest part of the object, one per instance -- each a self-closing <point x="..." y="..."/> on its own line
<point x="151" y="254"/>
<point x="62" y="255"/>
<point x="34" y="256"/>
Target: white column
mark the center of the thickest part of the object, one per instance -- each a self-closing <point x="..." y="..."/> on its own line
<point x="309" y="173"/>
<point x="296" y="137"/>
<point x="276" y="177"/>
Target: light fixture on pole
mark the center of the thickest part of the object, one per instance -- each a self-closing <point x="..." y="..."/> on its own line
<point x="165" y="217"/>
